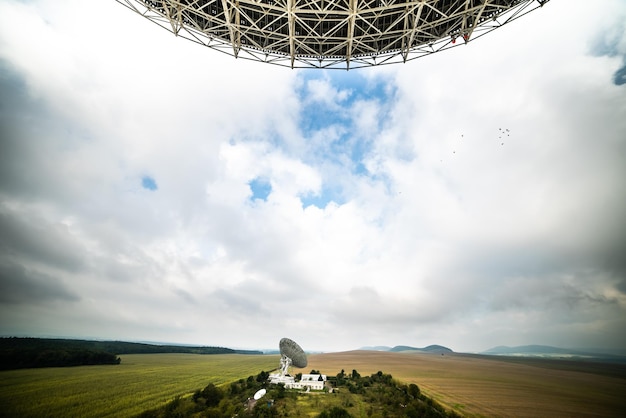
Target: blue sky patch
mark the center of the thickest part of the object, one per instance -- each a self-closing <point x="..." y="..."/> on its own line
<point x="364" y="88"/>
<point x="318" y="116"/>
<point x="322" y="199"/>
<point x="149" y="183"/>
<point x="261" y="188"/>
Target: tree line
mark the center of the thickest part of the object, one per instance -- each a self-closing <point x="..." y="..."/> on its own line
<point x="54" y="358"/>
<point x="18" y="352"/>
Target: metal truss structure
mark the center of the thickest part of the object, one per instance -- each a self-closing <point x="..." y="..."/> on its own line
<point x="331" y="33"/>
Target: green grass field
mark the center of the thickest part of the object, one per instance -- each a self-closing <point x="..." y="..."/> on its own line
<point x="140" y="382"/>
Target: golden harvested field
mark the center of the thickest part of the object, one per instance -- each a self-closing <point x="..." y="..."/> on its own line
<point x="140" y="382"/>
<point x="478" y="386"/>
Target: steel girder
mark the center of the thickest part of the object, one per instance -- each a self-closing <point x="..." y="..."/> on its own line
<point x="331" y="33"/>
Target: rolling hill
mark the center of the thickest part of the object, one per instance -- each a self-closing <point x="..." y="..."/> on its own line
<point x="435" y="349"/>
<point x="547" y="351"/>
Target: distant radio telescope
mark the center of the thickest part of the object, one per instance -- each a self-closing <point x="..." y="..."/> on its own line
<point x="331" y="33"/>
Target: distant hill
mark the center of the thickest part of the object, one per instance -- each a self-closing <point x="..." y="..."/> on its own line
<point x="116" y="347"/>
<point x="376" y="348"/>
<point x="437" y="349"/>
<point x="530" y="349"/>
<point x="547" y="351"/>
<point x="430" y="349"/>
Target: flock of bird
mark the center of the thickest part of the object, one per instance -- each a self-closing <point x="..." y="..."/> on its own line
<point x="503" y="133"/>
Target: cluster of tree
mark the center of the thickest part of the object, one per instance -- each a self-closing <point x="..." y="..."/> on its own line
<point x="388" y="397"/>
<point x="227" y="401"/>
<point x="385" y="396"/>
<point x="45" y="352"/>
<point x="335" y="412"/>
<point x="30" y="358"/>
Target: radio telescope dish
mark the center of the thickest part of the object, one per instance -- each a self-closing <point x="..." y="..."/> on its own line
<point x="259" y="394"/>
<point x="331" y="33"/>
<point x="291" y="350"/>
<point x="290" y="354"/>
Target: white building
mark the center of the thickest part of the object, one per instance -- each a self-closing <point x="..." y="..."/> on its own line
<point x="308" y="381"/>
<point x="286" y="379"/>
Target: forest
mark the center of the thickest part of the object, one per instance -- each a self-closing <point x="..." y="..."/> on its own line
<point x="19" y="353"/>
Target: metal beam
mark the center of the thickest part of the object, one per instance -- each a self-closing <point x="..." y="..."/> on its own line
<point x="331" y="33"/>
<point x="350" y="38"/>
<point x="291" y="17"/>
<point x="476" y="19"/>
<point x="413" y="30"/>
<point x="233" y="27"/>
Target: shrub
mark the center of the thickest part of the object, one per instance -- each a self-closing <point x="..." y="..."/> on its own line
<point x="335" y="412"/>
<point x="212" y="394"/>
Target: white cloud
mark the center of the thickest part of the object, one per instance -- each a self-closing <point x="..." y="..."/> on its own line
<point x="321" y="90"/>
<point x="489" y="211"/>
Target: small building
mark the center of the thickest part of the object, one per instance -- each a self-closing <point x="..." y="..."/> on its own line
<point x="308" y="381"/>
<point x="311" y="381"/>
<point x="279" y="378"/>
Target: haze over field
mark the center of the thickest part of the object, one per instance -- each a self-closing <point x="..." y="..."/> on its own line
<point x="155" y="190"/>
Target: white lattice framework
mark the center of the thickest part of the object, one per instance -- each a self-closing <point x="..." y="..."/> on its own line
<point x="331" y="33"/>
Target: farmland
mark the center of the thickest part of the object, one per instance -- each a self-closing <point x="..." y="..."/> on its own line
<point x="140" y="382"/>
<point x="469" y="385"/>
<point x="493" y="386"/>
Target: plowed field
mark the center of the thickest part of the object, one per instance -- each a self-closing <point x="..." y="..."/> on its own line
<point x="478" y="386"/>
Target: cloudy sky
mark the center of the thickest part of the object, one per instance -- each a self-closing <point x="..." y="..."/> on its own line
<point x="155" y="190"/>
